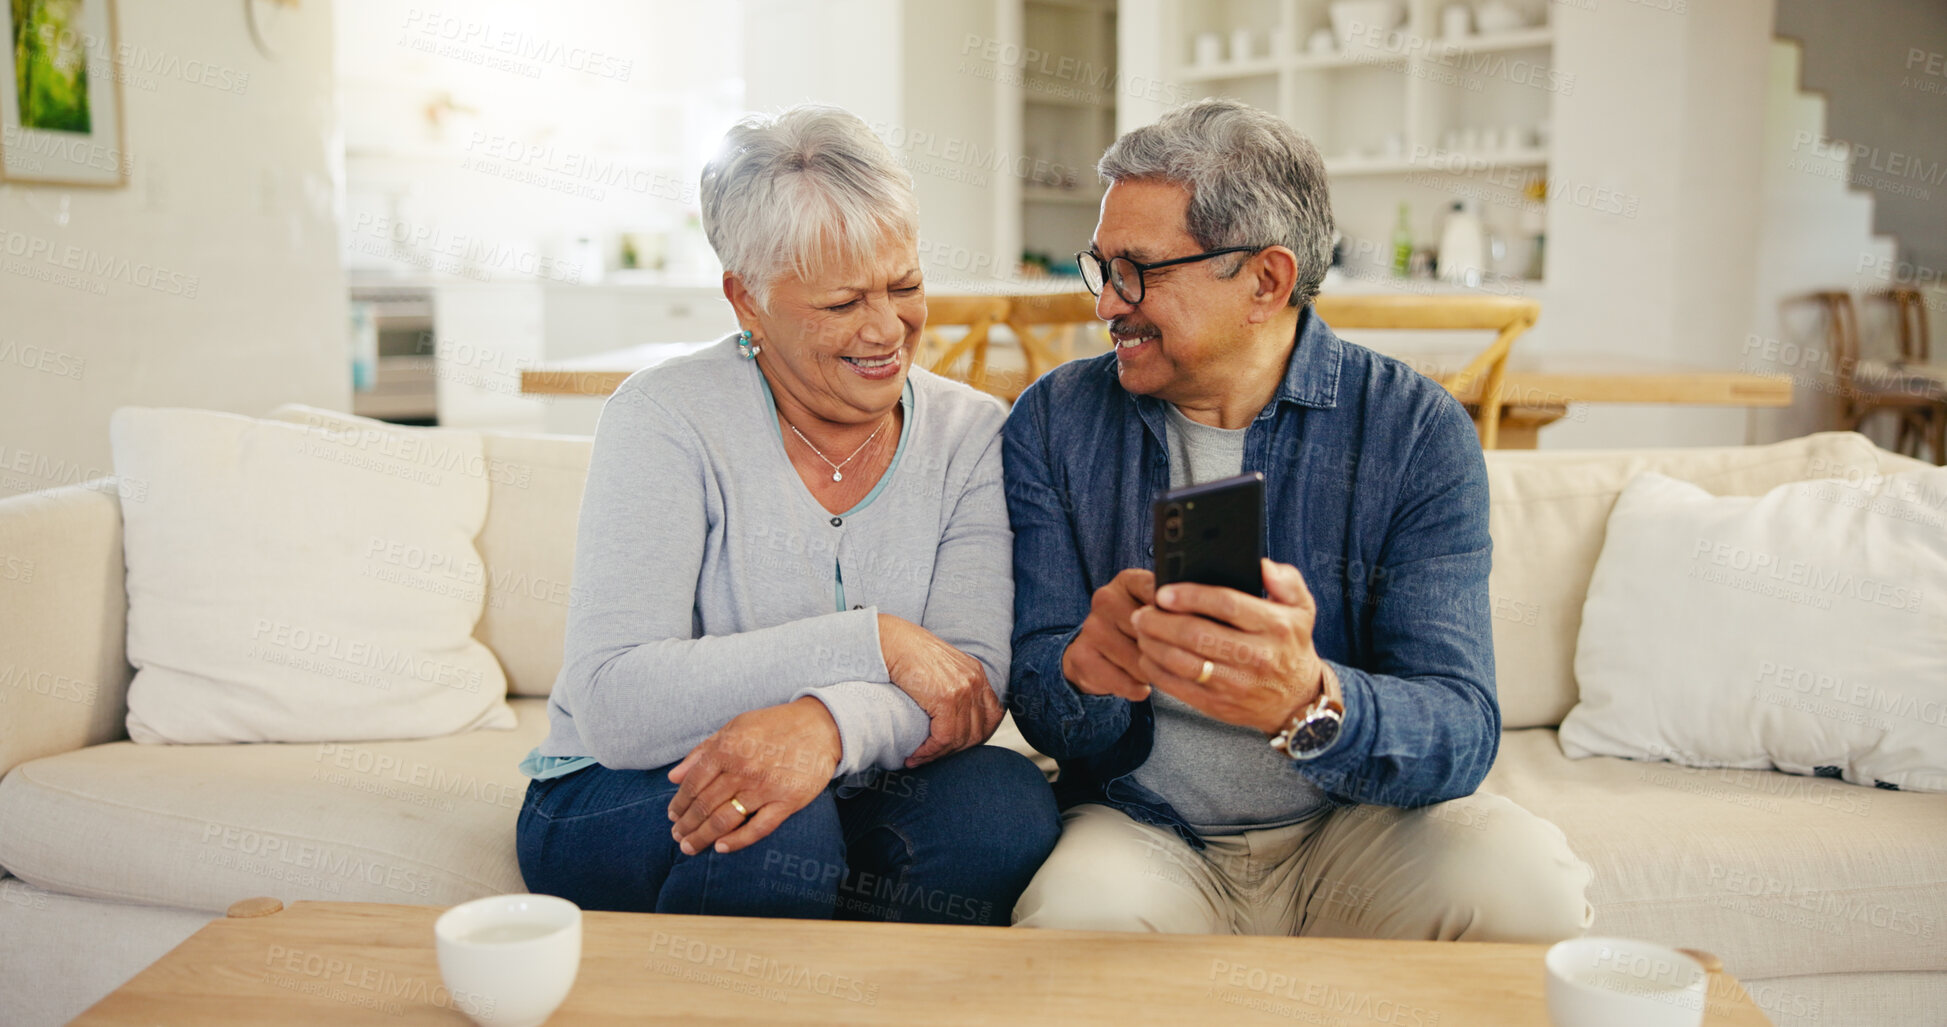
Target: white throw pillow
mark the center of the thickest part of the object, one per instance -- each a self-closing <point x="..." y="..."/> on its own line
<point x="266" y="602"/>
<point x="1805" y="629"/>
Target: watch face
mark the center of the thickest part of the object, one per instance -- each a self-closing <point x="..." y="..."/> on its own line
<point x="1316" y="734"/>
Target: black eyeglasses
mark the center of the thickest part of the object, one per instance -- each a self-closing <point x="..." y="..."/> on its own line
<point x="1126" y="274"/>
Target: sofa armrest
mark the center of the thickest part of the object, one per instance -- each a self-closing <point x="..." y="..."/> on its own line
<point x="64" y="672"/>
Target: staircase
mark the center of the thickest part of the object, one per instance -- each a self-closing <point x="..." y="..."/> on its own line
<point x="1817" y="233"/>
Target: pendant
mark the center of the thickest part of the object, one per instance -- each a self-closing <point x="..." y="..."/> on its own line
<point x="837" y="476"/>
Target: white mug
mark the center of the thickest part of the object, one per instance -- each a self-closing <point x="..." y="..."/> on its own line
<point x="1456" y="21"/>
<point x="509" y="960"/>
<point x="1210" y="48"/>
<point x="1617" y="982"/>
<point x="1241" y="44"/>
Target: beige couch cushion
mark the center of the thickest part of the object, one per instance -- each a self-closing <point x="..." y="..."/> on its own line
<point x="529" y="548"/>
<point x="63" y="609"/>
<point x="1548" y="511"/>
<point x="1777" y="874"/>
<point x="527" y="545"/>
<point x="427" y="822"/>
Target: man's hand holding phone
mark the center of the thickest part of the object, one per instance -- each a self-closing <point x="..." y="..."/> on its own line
<point x="1236" y="658"/>
<point x="1104" y="658"/>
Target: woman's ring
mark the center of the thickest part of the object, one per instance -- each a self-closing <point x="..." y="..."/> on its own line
<point x="1203" y="676"/>
<point x="739" y="807"/>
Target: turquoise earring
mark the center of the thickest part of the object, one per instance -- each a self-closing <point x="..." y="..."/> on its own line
<point x="747" y="346"/>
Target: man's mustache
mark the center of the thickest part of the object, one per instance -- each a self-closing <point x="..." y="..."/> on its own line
<point x="1129" y="327"/>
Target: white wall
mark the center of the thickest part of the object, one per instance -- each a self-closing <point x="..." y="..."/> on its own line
<point x="1667" y="110"/>
<point x="844" y="52"/>
<point x="233" y="192"/>
<point x="905" y="67"/>
<point x="1816" y="234"/>
<point x="484" y="139"/>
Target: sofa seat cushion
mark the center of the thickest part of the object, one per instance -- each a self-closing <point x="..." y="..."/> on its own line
<point x="426" y="821"/>
<point x="1777" y="874"/>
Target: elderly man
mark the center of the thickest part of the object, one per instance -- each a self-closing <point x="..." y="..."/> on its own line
<point x="1303" y="762"/>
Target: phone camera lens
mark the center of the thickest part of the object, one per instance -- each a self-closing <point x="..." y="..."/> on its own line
<point x="1173" y="524"/>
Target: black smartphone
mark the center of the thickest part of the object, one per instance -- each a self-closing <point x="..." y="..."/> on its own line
<point x="1212" y="534"/>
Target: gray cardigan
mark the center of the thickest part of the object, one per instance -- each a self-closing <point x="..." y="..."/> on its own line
<point x="708" y="581"/>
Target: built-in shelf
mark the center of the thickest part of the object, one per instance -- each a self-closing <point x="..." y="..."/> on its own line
<point x="1075" y="102"/>
<point x="1093" y="6"/>
<point x="1517" y="39"/>
<point x="1442" y="160"/>
<point x="1230" y="69"/>
<point x="1340" y="59"/>
<point x="1047" y="194"/>
<point x="1069" y="97"/>
<point x="1341" y="281"/>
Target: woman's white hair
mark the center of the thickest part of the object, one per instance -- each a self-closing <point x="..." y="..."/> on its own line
<point x="789" y="191"/>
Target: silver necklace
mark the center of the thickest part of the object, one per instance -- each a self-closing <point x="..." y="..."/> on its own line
<point x="837" y="468"/>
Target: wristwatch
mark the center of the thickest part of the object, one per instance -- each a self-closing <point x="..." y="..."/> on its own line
<point x="1312" y="730"/>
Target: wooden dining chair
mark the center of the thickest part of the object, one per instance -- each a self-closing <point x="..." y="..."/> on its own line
<point x="1046" y="327"/>
<point x="1920" y="422"/>
<point x="942" y="354"/>
<point x="1907" y="387"/>
<point x="1042" y="322"/>
<point x="1507" y="316"/>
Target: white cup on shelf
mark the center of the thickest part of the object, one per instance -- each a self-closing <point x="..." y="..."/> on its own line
<point x="1209" y="48"/>
<point x="1243" y="45"/>
<point x="1499" y="16"/>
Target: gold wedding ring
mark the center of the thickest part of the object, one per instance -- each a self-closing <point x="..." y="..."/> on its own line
<point x="1203" y="676"/>
<point x="739" y="807"/>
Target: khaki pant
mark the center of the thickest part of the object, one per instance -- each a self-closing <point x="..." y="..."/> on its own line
<point x="1474" y="869"/>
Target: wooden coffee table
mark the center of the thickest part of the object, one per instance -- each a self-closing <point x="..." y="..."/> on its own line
<point x="346" y="963"/>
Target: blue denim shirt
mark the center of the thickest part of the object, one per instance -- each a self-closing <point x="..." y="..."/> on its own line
<point x="1375" y="491"/>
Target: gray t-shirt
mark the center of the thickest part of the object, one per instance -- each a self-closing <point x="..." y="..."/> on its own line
<point x="1220" y="777"/>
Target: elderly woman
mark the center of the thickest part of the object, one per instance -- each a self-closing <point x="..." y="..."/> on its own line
<point x="792" y="588"/>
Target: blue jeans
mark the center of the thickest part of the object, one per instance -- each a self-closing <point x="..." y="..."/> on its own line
<point x="952" y="842"/>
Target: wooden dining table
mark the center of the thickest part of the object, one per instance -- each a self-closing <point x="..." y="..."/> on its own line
<point x="1540" y="385"/>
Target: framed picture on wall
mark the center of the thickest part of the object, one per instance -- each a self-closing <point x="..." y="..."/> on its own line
<point x="60" y="98"/>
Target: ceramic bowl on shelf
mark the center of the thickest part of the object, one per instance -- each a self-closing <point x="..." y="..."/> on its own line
<point x="1498" y="16"/>
<point x="1356" y="22"/>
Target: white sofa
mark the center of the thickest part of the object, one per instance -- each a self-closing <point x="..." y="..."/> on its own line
<point x="1828" y="899"/>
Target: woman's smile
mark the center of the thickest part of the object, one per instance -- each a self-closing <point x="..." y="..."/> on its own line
<point x="875" y="368"/>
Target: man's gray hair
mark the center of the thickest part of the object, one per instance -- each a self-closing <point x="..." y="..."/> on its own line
<point x="788" y="191"/>
<point x="1253" y="181"/>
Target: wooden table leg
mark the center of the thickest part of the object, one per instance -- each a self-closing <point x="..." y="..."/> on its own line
<point x="1521" y="425"/>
